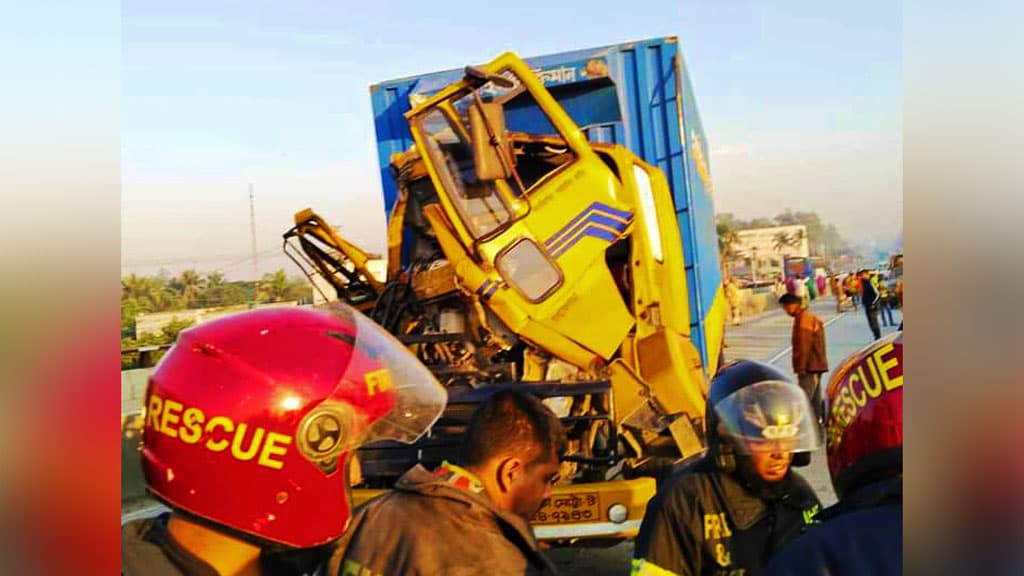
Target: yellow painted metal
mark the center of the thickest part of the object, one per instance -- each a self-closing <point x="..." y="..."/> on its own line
<point x="506" y="305"/>
<point x="573" y="213"/>
<point x="309" y="222"/>
<point x="714" y="329"/>
<point x="633" y="494"/>
<point x="434" y="282"/>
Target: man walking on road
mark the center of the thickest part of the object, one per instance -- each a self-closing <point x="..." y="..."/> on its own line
<point x="809" y="361"/>
<point x="869" y="297"/>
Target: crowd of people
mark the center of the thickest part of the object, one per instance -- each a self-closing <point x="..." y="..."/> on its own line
<point x="251" y="422"/>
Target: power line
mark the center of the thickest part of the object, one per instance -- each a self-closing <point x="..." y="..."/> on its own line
<point x="252" y="225"/>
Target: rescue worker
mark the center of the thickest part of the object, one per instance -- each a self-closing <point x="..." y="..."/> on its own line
<point x="249" y="424"/>
<point x="729" y="511"/>
<point x="808" y="343"/>
<point x="469" y="517"/>
<point x="863" y="532"/>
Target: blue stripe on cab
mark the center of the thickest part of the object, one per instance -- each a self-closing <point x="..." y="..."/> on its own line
<point x="592" y="232"/>
<point x="597" y="207"/>
<point x="595" y="218"/>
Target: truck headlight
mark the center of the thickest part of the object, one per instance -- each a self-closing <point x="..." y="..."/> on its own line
<point x="646" y="194"/>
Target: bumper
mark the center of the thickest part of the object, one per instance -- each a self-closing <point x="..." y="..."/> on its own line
<point x="617" y="512"/>
<point x="620" y="508"/>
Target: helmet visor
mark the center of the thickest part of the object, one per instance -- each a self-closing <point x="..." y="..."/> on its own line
<point x="769" y="416"/>
<point x="415" y="398"/>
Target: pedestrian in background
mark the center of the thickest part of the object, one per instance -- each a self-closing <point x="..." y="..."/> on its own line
<point x="850" y="287"/>
<point x="837" y="292"/>
<point x="885" y="304"/>
<point x="732" y="296"/>
<point x="809" y="357"/>
<point x="869" y="298"/>
<point x="812" y="289"/>
<point x="800" y="290"/>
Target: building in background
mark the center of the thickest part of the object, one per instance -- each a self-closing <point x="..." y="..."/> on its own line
<point x="761" y="252"/>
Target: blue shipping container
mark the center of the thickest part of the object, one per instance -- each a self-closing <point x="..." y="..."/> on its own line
<point x="642" y="98"/>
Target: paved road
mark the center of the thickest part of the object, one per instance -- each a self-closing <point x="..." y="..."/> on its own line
<point x="765" y="338"/>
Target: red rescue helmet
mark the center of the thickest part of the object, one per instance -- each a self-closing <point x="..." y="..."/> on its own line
<point x="249" y="419"/>
<point x="864" y="435"/>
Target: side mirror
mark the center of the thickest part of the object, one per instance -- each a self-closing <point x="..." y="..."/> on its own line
<point x="491" y="153"/>
<point x="478" y="77"/>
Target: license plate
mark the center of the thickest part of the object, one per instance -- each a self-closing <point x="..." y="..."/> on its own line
<point x="568" y="508"/>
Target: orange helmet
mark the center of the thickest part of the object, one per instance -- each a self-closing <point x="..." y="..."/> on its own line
<point x="864" y="435"/>
<point x="249" y="419"/>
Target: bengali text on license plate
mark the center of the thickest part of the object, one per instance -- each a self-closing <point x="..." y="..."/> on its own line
<point x="565" y="508"/>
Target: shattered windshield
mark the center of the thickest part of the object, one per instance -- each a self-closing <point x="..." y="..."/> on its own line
<point x="481" y="207"/>
<point x="445" y="130"/>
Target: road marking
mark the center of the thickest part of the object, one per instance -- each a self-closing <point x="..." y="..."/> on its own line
<point x="789" y="349"/>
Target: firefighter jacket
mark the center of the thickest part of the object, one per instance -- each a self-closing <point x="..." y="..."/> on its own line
<point x="862" y="534"/>
<point x="705" y="522"/>
<point x="808" y="344"/>
<point x="437" y="523"/>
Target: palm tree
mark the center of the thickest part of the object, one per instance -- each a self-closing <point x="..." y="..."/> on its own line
<point x="727" y="241"/>
<point x="781" y="240"/>
<point x="274" y="286"/>
<point x="188" y="285"/>
<point x="798" y="238"/>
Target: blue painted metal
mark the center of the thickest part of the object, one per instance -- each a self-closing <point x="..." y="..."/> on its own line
<point x="637" y="94"/>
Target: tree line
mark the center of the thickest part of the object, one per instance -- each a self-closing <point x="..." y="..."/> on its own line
<point x="192" y="290"/>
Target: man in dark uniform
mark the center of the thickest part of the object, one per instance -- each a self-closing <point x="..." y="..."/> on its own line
<point x="249" y="422"/>
<point x="466" y="518"/>
<point x="869" y="296"/>
<point x="727" y="513"/>
<point x="863" y="532"/>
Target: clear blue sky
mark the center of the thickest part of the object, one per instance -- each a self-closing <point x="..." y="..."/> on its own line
<point x="801" y="101"/>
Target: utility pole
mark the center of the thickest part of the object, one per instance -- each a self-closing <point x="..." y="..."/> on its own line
<point x="252" y="227"/>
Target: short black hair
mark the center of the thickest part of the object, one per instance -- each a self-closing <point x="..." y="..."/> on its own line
<point x="512" y="422"/>
<point x="788" y="298"/>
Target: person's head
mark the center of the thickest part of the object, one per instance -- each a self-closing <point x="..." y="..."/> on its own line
<point x="513" y="444"/>
<point x="249" y="419"/>
<point x="791" y="304"/>
<point x="864" y="431"/>
<point x="757" y="420"/>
